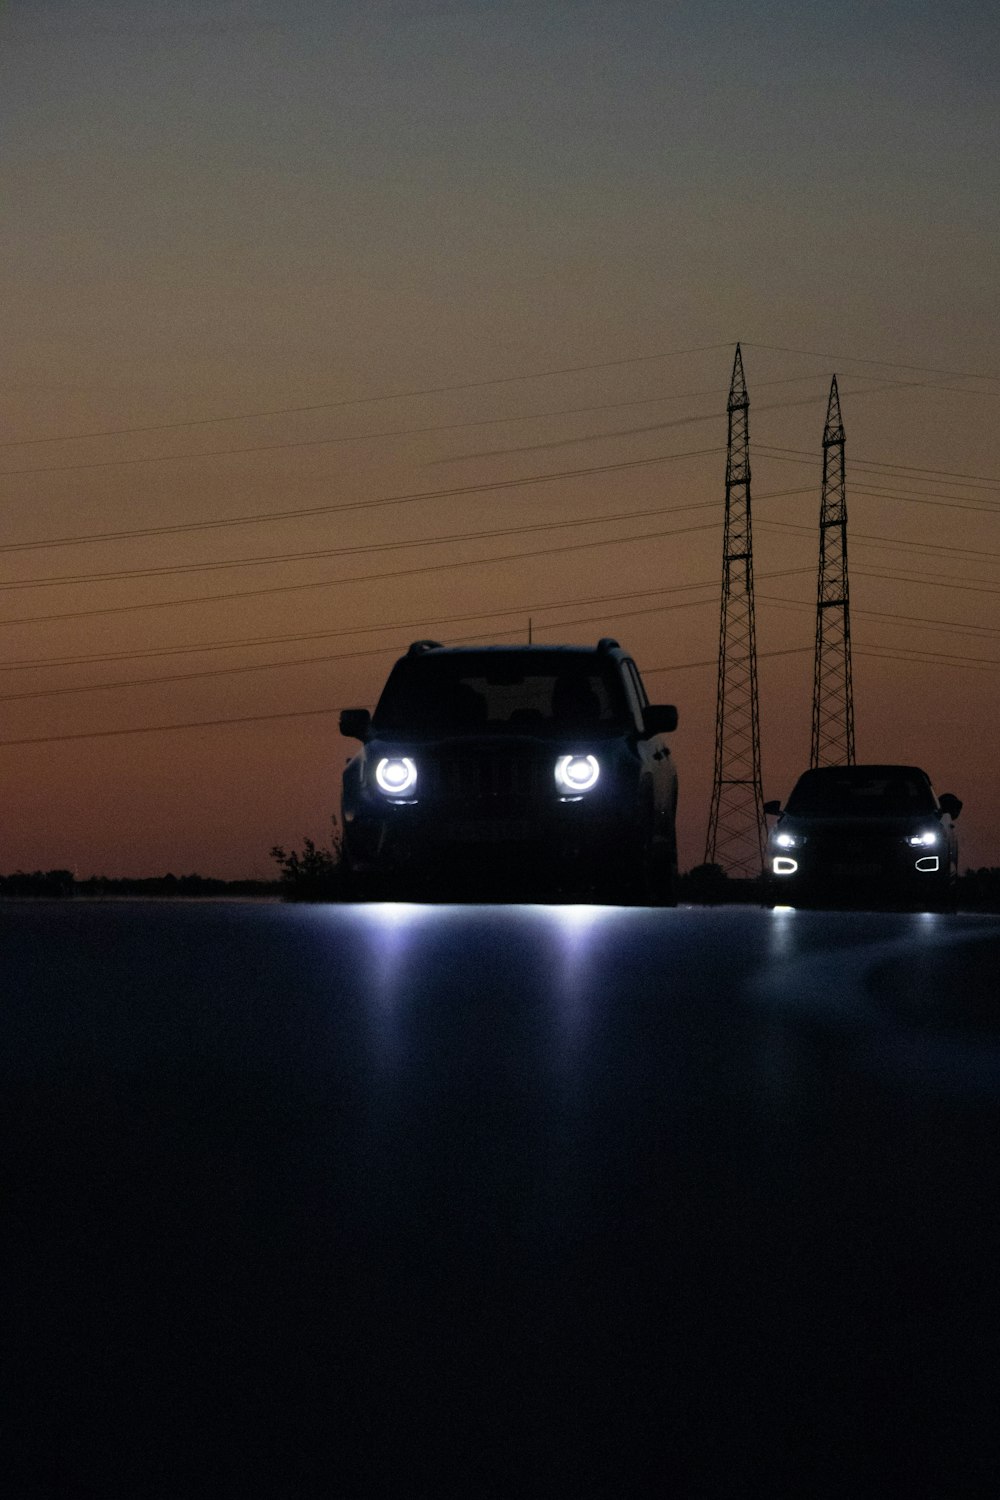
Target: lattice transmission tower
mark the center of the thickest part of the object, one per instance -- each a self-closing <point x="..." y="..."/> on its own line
<point x="833" y="692"/>
<point x="736" y="828"/>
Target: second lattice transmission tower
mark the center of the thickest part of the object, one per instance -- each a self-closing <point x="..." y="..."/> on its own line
<point x="833" y="692"/>
<point x="736" y="828"/>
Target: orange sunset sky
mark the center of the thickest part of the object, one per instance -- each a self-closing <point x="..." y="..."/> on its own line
<point x="328" y="326"/>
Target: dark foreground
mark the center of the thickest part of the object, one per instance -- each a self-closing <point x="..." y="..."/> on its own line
<point x="398" y="1201"/>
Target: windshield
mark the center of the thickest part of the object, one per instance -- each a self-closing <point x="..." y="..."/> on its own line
<point x="861" y="791"/>
<point x="492" y="692"/>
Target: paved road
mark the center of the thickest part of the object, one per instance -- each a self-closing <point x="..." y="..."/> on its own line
<point x="498" y="1201"/>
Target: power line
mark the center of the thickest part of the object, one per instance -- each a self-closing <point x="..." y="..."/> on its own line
<point x="326" y="658"/>
<point x="324" y="442"/>
<point x="365" y="437"/>
<point x="932" y="580"/>
<point x="658" y="426"/>
<point x="936" y="580"/>
<point x="342" y="403"/>
<point x="933" y="501"/>
<point x="323" y="583"/>
<point x="306" y="713"/>
<point x="442" y="539"/>
<point x="405" y="498"/>
<point x="967" y="479"/>
<point x="859" y="359"/>
<point x="800" y="455"/>
<point x="930" y="658"/>
<point x="254" y="448"/>
<point x="107" y="734"/>
<point x="927" y="622"/>
<point x="891" y="654"/>
<point x="867" y="538"/>
<point x="433" y="622"/>
<point x="178" y="569"/>
<point x="714" y="661"/>
<point x="346" y="401"/>
<point x="231" y="595"/>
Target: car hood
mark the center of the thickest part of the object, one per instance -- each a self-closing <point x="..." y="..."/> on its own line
<point x="510" y="740"/>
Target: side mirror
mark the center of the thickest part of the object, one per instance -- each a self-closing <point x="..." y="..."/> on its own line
<point x="772" y="809"/>
<point x="659" y="718"/>
<point x="355" y="723"/>
<point x="950" y="804"/>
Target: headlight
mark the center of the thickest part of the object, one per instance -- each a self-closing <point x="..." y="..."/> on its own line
<point x="576" y="773"/>
<point x="925" y="840"/>
<point x="396" y="775"/>
<point x="789" y="840"/>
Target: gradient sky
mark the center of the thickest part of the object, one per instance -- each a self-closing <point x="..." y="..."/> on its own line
<point x="261" y="259"/>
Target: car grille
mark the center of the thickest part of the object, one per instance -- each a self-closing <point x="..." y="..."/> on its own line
<point x="490" y="777"/>
<point x="855" y="846"/>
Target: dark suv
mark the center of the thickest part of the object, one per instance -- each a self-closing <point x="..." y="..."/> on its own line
<point x="870" y="835"/>
<point x="525" y="766"/>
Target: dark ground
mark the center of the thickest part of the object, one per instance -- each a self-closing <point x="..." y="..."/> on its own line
<point x="397" y="1201"/>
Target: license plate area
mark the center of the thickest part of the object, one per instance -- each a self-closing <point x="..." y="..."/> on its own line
<point x="855" y="869"/>
<point x="490" y="831"/>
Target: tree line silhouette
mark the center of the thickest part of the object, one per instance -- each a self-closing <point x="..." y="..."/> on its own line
<point x="316" y="873"/>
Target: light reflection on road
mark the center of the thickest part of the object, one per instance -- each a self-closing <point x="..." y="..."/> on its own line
<point x="556" y="950"/>
<point x="561" y="966"/>
<point x="391" y="930"/>
<point x="574" y="934"/>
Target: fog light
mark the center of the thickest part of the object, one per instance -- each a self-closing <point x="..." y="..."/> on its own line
<point x="782" y="865"/>
<point x="929" y="864"/>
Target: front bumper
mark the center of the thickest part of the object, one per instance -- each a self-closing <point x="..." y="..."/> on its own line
<point x="399" y="838"/>
<point x="903" y="877"/>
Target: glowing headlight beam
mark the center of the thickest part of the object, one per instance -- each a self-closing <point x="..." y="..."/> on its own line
<point x="577" y="773"/>
<point x="922" y="840"/>
<point x="396" y="775"/>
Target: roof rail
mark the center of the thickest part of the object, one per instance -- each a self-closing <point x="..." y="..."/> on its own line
<point x="608" y="643"/>
<point x="417" y="648"/>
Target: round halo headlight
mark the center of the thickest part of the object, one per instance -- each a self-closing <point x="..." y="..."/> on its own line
<point x="396" y="775"/>
<point x="577" y="773"/>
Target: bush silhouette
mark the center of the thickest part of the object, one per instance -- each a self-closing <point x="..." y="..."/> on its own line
<point x="314" y="875"/>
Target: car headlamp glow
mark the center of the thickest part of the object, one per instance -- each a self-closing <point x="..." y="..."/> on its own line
<point x="396" y="775"/>
<point x="577" y="773"/>
<point x="788" y="840"/>
<point x="925" y="840"/>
